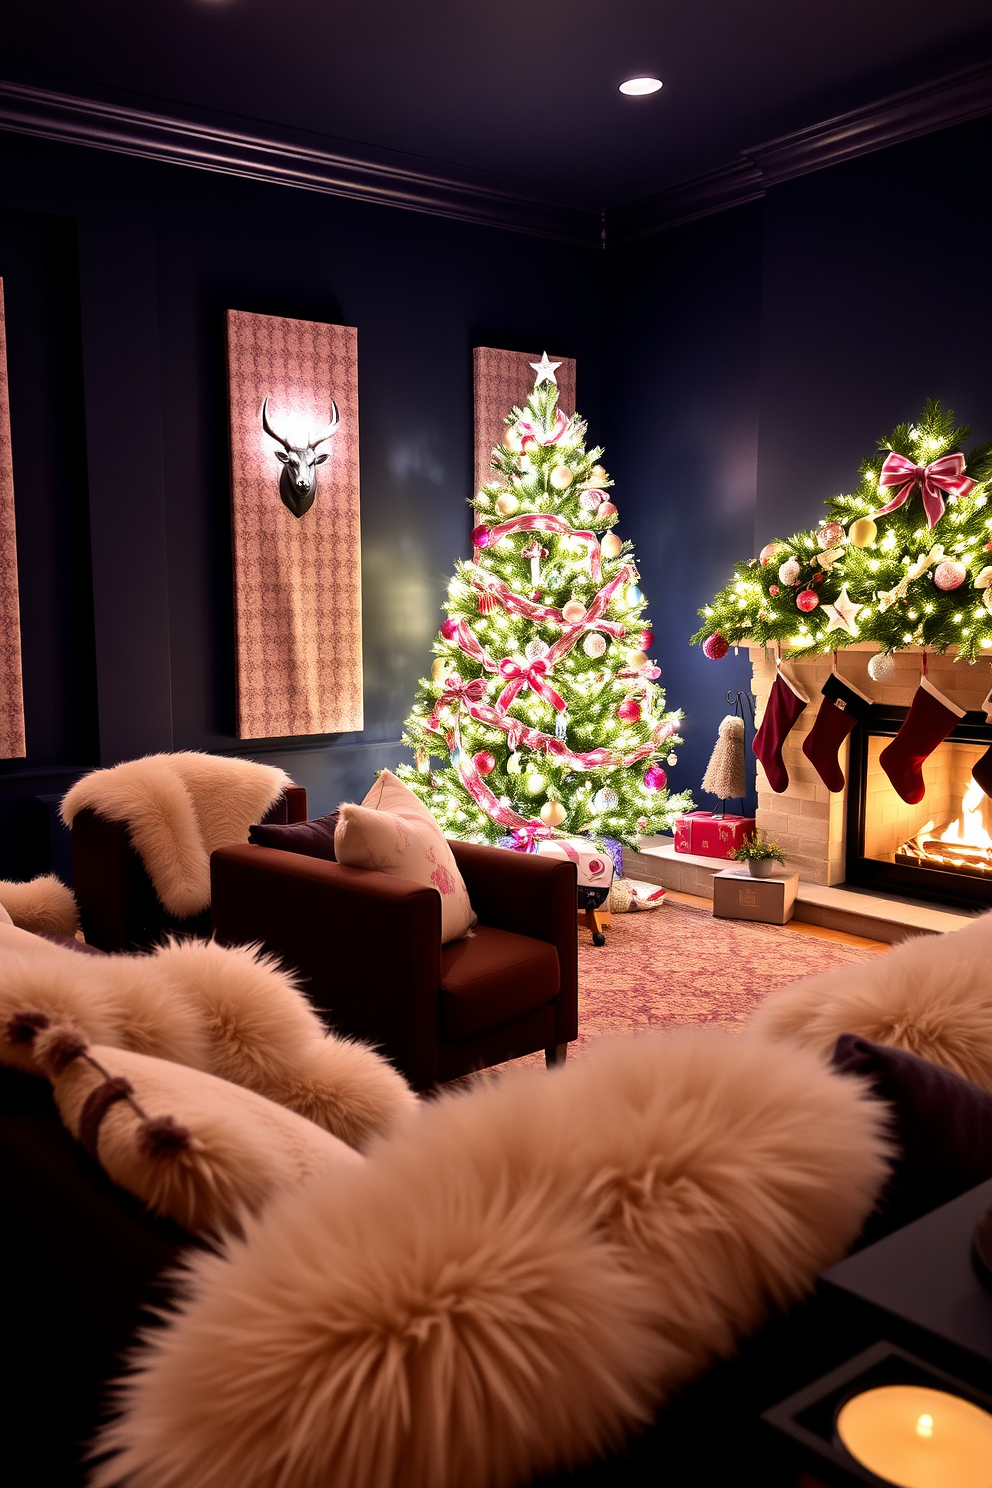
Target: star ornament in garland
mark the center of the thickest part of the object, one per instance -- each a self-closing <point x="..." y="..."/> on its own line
<point x="842" y="614"/>
<point x="545" y="370"/>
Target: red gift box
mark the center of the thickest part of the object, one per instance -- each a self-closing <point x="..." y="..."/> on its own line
<point x="710" y="836"/>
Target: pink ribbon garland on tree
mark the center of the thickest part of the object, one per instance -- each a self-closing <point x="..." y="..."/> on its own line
<point x="592" y="620"/>
<point x="488" y="537"/>
<point x="530" y="437"/>
<point x="943" y="475"/>
<point x="482" y="796"/>
<point x="456" y="689"/>
<point x="533" y="676"/>
<point x="514" y="604"/>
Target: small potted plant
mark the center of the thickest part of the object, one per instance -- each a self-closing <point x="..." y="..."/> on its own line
<point x="760" y="855"/>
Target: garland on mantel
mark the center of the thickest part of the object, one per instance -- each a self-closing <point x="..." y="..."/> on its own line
<point x="905" y="561"/>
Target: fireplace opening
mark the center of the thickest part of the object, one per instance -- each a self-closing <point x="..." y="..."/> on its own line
<point x="940" y="849"/>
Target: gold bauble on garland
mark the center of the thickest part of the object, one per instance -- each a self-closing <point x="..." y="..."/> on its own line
<point x="552" y="813"/>
<point x="440" y="668"/>
<point x="610" y="546"/>
<point x="561" y="477"/>
<point x="862" y="533"/>
<point x="506" y="505"/>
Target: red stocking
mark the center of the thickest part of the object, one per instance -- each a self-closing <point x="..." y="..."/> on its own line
<point x="785" y="703"/>
<point x="927" y="724"/>
<point x="983" y="769"/>
<point x="843" y="706"/>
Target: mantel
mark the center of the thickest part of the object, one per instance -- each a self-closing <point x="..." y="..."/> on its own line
<point x="864" y="647"/>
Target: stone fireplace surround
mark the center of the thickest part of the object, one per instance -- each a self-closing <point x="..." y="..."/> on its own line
<point x="809" y="821"/>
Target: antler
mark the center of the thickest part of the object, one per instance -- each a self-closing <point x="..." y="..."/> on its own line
<point x="332" y="426"/>
<point x="269" y="429"/>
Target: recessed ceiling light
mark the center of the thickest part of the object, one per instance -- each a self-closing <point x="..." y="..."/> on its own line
<point x="637" y="87"/>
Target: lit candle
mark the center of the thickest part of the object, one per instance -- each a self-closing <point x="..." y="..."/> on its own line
<point x="916" y="1437"/>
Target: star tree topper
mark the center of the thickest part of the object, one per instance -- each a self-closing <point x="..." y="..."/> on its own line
<point x="843" y="613"/>
<point x="545" y="370"/>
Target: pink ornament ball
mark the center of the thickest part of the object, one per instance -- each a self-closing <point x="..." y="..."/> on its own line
<point x="449" y="629"/>
<point x="629" y="710"/>
<point x="606" y="511"/>
<point x="830" y="534"/>
<point x="950" y="574"/>
<point x="768" y="552"/>
<point x="807" y="600"/>
<point x="773" y="589"/>
<point x="715" y="647"/>
<point x="484" y="762"/>
<point x="655" y="778"/>
<point x="646" y="640"/>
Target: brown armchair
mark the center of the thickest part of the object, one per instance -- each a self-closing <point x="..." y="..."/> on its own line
<point x="118" y="907"/>
<point x="369" y="948"/>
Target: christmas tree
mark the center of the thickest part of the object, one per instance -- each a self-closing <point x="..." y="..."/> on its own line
<point x="906" y="560"/>
<point x="543" y="705"/>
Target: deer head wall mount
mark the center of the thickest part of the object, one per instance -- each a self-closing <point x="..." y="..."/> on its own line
<point x="298" y="480"/>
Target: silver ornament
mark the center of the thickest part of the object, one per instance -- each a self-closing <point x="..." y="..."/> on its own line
<point x="605" y="799"/>
<point x="673" y="759"/>
<point x="789" y="572"/>
<point x="594" y="644"/>
<point x="881" y="666"/>
<point x="535" y="650"/>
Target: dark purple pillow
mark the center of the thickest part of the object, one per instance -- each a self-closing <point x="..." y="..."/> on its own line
<point x="314" y="839"/>
<point x="941" y="1123"/>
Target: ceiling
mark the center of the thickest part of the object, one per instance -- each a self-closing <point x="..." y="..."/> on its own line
<point x="522" y="93"/>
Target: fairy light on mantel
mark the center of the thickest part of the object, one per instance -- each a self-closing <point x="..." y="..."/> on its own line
<point x="917" y="1437"/>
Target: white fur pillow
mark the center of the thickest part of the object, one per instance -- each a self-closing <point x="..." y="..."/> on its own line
<point x="199" y="1150"/>
<point x="226" y="1009"/>
<point x="931" y="995"/>
<point x="509" y="1284"/>
<point x="393" y="832"/>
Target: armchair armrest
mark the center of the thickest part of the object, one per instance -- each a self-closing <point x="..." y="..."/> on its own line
<point x="367" y="945"/>
<point x="530" y="895"/>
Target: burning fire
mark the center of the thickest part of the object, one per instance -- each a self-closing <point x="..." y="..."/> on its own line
<point x="964" y="845"/>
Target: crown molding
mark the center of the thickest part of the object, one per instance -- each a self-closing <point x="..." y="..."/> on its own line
<point x="280" y="161"/>
<point x="953" y="99"/>
<point x="307" y="166"/>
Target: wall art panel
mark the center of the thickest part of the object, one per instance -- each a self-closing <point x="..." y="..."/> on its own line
<point x="503" y="380"/>
<point x="11" y="692"/>
<point x="295" y="518"/>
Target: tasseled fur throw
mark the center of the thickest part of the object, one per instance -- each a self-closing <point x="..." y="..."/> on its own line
<point x="177" y="808"/>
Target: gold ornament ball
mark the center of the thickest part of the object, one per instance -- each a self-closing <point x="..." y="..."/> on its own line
<point x="506" y="505"/>
<point x="610" y="546"/>
<point x="561" y="477"/>
<point x="637" y="659"/>
<point x="534" y="784"/>
<point x="594" y="644"/>
<point x="573" y="612"/>
<point x="862" y="533"/>
<point x="552" y="813"/>
<point x="598" y="470"/>
<point x="440" y="668"/>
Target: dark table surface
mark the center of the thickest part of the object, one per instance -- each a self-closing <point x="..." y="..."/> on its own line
<point x="924" y="1275"/>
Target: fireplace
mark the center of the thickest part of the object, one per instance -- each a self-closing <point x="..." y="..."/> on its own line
<point x="940" y="849"/>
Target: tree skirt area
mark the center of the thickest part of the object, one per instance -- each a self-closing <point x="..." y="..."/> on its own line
<point x="667" y="967"/>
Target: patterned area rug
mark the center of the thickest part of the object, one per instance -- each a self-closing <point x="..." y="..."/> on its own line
<point x="675" y="965"/>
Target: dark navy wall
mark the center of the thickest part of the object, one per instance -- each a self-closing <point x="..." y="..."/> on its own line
<point x="162" y="253"/>
<point x="682" y="366"/>
<point x="754" y="358"/>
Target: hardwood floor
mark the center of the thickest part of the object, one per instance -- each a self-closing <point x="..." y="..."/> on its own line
<point x="799" y="927"/>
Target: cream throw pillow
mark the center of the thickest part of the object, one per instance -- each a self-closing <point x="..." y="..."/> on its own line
<point x="393" y="832"/>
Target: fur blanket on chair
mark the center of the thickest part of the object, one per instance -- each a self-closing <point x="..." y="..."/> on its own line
<point x="931" y="995"/>
<point x="177" y="808"/>
<point x="44" y="906"/>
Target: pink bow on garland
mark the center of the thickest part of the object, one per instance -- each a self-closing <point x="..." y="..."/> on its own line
<point x="524" y="838"/>
<point x="529" y="436"/>
<point x="455" y="690"/>
<point x="946" y="474"/>
<point x="533" y="676"/>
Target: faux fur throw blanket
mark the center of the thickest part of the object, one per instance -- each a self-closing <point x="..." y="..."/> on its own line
<point x="177" y="808"/>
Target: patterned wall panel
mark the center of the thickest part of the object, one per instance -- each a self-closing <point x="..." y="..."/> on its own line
<point x="11" y="692"/>
<point x="504" y="379"/>
<point x="297" y="580"/>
